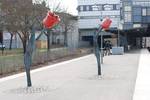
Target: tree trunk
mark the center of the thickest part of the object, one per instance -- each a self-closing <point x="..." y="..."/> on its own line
<point x="10" y="45"/>
<point x="24" y="42"/>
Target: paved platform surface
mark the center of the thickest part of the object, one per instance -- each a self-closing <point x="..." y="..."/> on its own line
<point x="142" y="87"/>
<point x="77" y="80"/>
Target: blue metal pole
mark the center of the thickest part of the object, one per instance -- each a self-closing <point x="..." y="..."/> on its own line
<point x="28" y="57"/>
<point x="96" y="48"/>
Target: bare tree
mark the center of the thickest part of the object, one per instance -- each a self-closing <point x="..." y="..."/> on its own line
<point x="21" y="16"/>
<point x="1" y="24"/>
<point x="66" y="24"/>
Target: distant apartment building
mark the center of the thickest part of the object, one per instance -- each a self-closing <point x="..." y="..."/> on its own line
<point x="90" y="15"/>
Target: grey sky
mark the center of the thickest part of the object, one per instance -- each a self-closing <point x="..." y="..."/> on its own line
<point x="70" y="5"/>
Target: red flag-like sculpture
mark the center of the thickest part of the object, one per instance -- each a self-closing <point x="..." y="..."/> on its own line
<point x="106" y="23"/>
<point x="50" y="20"/>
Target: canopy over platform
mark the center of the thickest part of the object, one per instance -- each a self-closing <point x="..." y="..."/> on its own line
<point x="138" y="32"/>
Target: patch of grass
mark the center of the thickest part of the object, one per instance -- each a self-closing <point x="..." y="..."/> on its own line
<point x="11" y="52"/>
<point x="14" y="61"/>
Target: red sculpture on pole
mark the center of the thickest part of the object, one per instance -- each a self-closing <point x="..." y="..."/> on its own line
<point x="106" y="23"/>
<point x="50" y="20"/>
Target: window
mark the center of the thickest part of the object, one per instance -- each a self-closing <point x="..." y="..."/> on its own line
<point x="108" y="7"/>
<point x="144" y="19"/>
<point x="81" y="8"/>
<point x="117" y="6"/>
<point x="140" y="3"/>
<point x="137" y="11"/>
<point x="114" y="7"/>
<point x="90" y="8"/>
<point x="144" y="12"/>
<point x="127" y="17"/>
<point x="127" y="8"/>
<point x="96" y="7"/>
<point x="100" y="7"/>
<point x="148" y="11"/>
<point x="89" y="17"/>
<point x="87" y="8"/>
<point x="127" y="3"/>
<point x="137" y="18"/>
<point x="84" y="8"/>
<point x="136" y="25"/>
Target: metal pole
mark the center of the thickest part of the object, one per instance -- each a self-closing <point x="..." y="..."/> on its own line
<point x="118" y="38"/>
<point x="96" y="48"/>
<point x="118" y="44"/>
<point x="101" y="48"/>
<point x="28" y="57"/>
<point x="118" y="33"/>
<point x="101" y="41"/>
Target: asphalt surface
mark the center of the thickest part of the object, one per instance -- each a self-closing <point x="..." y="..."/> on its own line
<point x="77" y="80"/>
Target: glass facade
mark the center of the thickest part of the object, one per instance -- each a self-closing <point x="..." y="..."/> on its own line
<point x="135" y="13"/>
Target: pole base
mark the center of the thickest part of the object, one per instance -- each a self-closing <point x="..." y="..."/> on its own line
<point x="99" y="76"/>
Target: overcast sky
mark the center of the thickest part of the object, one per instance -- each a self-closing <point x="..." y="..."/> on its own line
<point x="70" y="5"/>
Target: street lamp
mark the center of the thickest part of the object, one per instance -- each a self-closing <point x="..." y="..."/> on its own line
<point x="119" y="22"/>
<point x="118" y="32"/>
